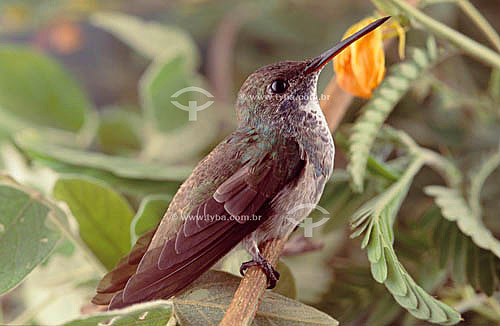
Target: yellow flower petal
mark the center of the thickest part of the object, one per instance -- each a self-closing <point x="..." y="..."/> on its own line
<point x="361" y="67"/>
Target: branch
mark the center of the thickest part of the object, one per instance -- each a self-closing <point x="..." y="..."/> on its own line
<point x="481" y="22"/>
<point x="246" y="299"/>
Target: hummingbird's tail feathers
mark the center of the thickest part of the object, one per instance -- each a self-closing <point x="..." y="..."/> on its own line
<point x="141" y="247"/>
<point x="117" y="301"/>
<point x="116" y="279"/>
<point x="102" y="299"/>
<point x="156" y="283"/>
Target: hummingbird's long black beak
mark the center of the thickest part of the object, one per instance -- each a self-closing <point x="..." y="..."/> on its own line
<point x="318" y="62"/>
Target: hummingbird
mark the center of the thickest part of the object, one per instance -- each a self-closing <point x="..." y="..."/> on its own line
<point x="245" y="191"/>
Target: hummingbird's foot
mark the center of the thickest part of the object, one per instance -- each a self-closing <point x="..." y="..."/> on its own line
<point x="272" y="274"/>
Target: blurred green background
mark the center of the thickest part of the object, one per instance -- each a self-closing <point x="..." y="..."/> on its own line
<point x="85" y="91"/>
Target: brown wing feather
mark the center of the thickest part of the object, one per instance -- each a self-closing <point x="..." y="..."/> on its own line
<point x="194" y="251"/>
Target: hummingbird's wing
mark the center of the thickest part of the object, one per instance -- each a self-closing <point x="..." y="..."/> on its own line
<point x="226" y="198"/>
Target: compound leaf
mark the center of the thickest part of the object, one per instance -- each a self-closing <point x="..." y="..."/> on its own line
<point x="376" y="111"/>
<point x="380" y="212"/>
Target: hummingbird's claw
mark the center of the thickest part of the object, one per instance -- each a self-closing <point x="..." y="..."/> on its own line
<point x="272" y="274"/>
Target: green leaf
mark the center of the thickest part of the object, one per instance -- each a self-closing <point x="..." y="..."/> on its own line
<point x="488" y="278"/>
<point x="153" y="40"/>
<point x="460" y="258"/>
<point x="350" y="296"/>
<point x="469" y="264"/>
<point x="494" y="85"/>
<point x="132" y="187"/>
<point x="375" y="112"/>
<point x="9" y="124"/>
<point x="156" y="313"/>
<point x="350" y="206"/>
<point x="119" y="131"/>
<point x="36" y="90"/>
<point x="35" y="147"/>
<point x="149" y="214"/>
<point x="65" y="248"/>
<point x="395" y="281"/>
<point x="477" y="179"/>
<point x="159" y="83"/>
<point x="170" y="126"/>
<point x="174" y="68"/>
<point x="380" y="212"/>
<point x="209" y="297"/>
<point x="286" y="285"/>
<point x="339" y="198"/>
<point x="102" y="214"/>
<point x="384" y="312"/>
<point x="382" y="169"/>
<point x="454" y="208"/>
<point x="25" y="239"/>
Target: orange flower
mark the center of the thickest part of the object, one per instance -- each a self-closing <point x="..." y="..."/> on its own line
<point x="361" y="67"/>
<point x="65" y="37"/>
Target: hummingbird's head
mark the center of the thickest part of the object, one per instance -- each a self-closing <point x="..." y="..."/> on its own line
<point x="283" y="94"/>
<point x="275" y="91"/>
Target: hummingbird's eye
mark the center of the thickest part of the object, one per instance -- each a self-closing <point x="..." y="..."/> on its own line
<point x="279" y="86"/>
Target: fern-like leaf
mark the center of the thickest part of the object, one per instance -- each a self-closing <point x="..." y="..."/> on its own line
<point x="454" y="208"/>
<point x="375" y="220"/>
<point x="375" y="112"/>
<point x="478" y="177"/>
<point x="468" y="263"/>
<point x="349" y="296"/>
